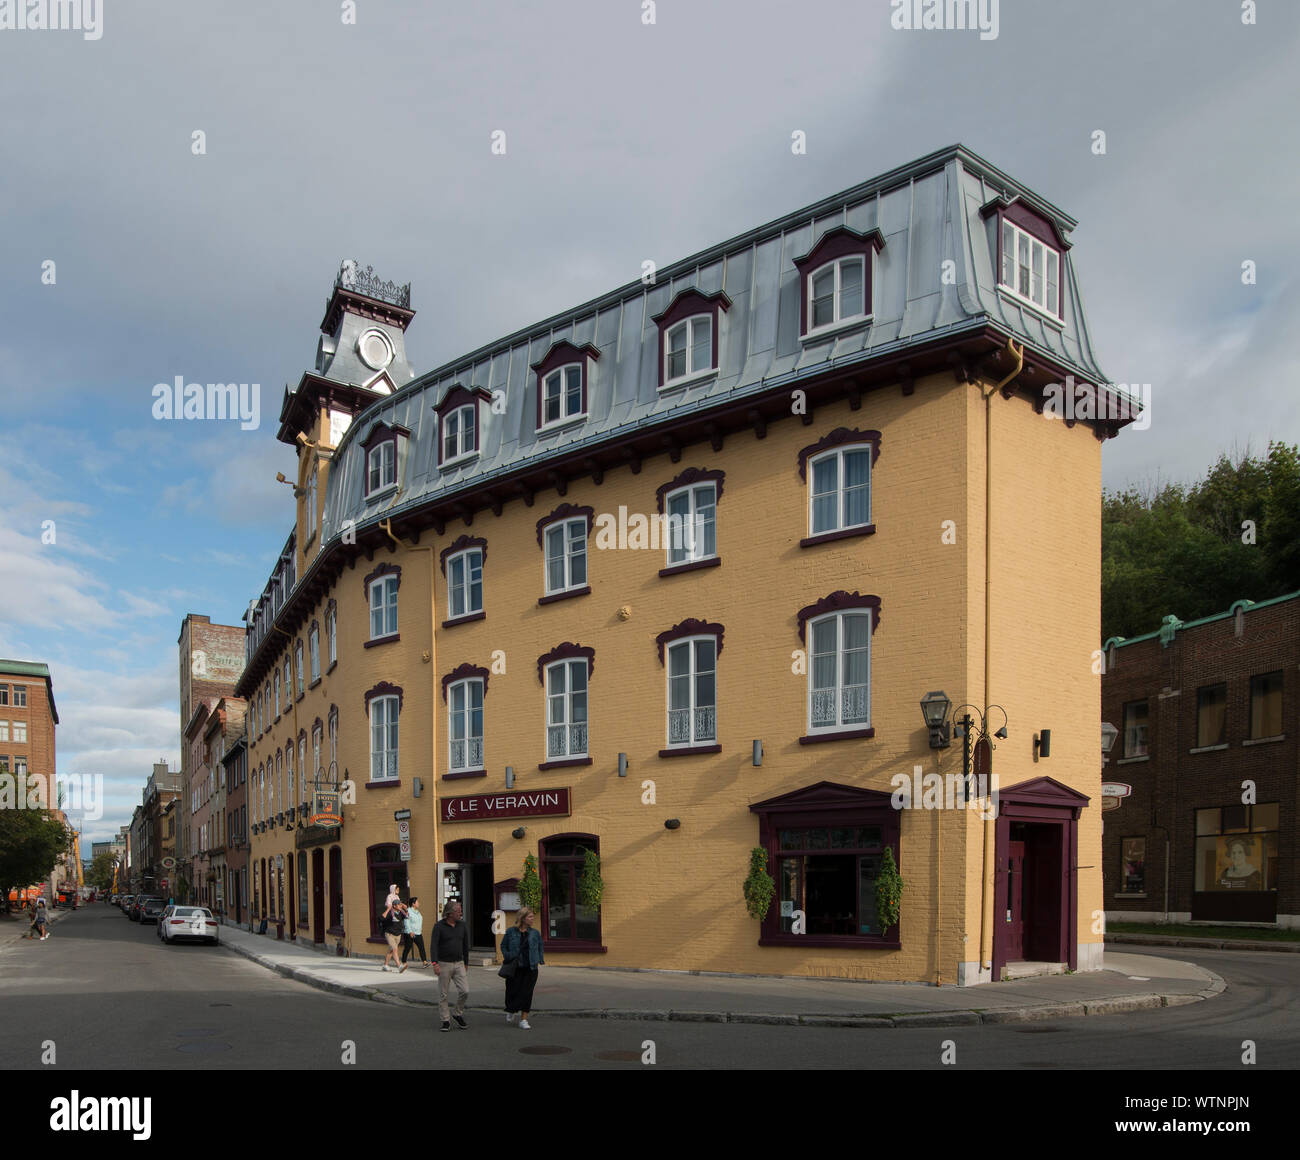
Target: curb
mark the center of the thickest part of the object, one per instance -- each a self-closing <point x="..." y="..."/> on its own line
<point x="1208" y="944"/>
<point x="1119" y="1005"/>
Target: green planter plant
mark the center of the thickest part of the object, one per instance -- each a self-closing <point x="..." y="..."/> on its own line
<point x="759" y="886"/>
<point x="889" y="892"/>
<point x="530" y="886"/>
<point x="590" y="886"/>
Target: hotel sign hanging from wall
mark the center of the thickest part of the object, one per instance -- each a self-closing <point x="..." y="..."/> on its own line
<point x="325" y="809"/>
<point x="537" y="803"/>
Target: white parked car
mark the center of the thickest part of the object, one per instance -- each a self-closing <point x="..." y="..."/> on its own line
<point x="178" y="923"/>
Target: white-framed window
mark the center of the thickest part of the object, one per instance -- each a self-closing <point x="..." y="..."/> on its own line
<point x="332" y="629"/>
<point x="381" y="466"/>
<point x="840" y="673"/>
<point x="837" y="292"/>
<point x="20" y="766"/>
<point x="383" y="607"/>
<point x="383" y="739"/>
<point x="562" y="394"/>
<point x="4" y="730"/>
<point x="334" y="739"/>
<point x="692" y="692"/>
<point x="459" y="433"/>
<point x="315" y="755"/>
<point x="277" y="788"/>
<point x="1030" y="268"/>
<point x="688" y="348"/>
<point x="288" y="682"/>
<point x="302" y="765"/>
<point x="840" y="494"/>
<point x="465" y="725"/>
<point x="277" y="696"/>
<point x="566" y="709"/>
<point x="20" y="696"/>
<point x="313" y="640"/>
<point x="311" y="503"/>
<point x="465" y="583"/>
<point x="566" y="555"/>
<point x="288" y="769"/>
<point x="297" y="656"/>
<point x="692" y="531"/>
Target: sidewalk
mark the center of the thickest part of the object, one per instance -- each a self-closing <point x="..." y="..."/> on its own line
<point x="1218" y="944"/>
<point x="1130" y="982"/>
<point x="14" y="930"/>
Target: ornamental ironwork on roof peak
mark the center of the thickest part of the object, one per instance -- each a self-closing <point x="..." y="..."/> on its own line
<point x="352" y="277"/>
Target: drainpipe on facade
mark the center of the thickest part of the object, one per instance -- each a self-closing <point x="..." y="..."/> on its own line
<point x="990" y="840"/>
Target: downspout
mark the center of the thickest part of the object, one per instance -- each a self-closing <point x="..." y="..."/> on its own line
<point x="990" y="835"/>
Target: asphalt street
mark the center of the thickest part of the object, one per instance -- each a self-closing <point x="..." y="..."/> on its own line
<point x="106" y="994"/>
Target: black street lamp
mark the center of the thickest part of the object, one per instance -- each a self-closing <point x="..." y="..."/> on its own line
<point x="934" y="708"/>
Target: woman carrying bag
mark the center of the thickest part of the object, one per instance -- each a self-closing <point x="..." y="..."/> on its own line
<point x="522" y="951"/>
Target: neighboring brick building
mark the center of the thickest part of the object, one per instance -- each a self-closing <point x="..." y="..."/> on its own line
<point x="1208" y="720"/>
<point x="158" y="830"/>
<point x="832" y="402"/>
<point x="235" y="764"/>
<point x="210" y="658"/>
<point x="27" y="721"/>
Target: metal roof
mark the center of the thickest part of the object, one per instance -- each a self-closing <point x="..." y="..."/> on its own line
<point x="929" y="213"/>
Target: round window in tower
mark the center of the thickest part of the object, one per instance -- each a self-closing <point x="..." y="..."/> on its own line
<point x="375" y="349"/>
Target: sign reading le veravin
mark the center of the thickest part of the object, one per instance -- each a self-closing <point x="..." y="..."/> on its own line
<point x="483" y="807"/>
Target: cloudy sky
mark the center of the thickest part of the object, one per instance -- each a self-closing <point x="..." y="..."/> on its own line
<point x="625" y="140"/>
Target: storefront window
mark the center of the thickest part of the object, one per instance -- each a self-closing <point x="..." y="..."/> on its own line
<point x="386" y="869"/>
<point x="567" y="920"/>
<point x="1133" y="857"/>
<point x="828" y="876"/>
<point x="1237" y="848"/>
<point x="302" y="888"/>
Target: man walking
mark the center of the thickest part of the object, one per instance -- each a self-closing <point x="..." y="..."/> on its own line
<point x="449" y="949"/>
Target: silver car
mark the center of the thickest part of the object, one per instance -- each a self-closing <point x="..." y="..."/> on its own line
<point x="193" y="923"/>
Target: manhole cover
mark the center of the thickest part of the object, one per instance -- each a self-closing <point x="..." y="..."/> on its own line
<point x="195" y="1031"/>
<point x="203" y="1045"/>
<point x="620" y="1056"/>
<point x="542" y="1049"/>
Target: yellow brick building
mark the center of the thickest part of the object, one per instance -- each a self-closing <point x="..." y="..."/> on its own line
<point x="665" y="579"/>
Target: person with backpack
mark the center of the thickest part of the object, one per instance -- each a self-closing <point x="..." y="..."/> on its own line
<point x="521" y="949"/>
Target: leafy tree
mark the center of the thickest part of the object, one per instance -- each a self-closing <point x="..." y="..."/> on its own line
<point x="31" y="843"/>
<point x="100" y="875"/>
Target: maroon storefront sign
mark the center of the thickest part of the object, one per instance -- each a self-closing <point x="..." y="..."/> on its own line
<point x="483" y="807"/>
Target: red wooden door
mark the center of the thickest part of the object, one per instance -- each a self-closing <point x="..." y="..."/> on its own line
<point x="1015" y="941"/>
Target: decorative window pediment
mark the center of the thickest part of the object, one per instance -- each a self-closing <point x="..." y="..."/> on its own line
<point x="838" y="276"/>
<point x="689" y="330"/>
<point x="563" y="377"/>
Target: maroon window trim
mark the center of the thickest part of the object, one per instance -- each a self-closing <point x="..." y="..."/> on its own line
<point x="544" y="863"/>
<point x="687" y="304"/>
<point x="688" y="478"/>
<point x="379" y="573"/>
<point x="565" y="652"/>
<point x="457" y="396"/>
<point x="463" y="544"/>
<point x="565" y="762"/>
<point x="840" y="601"/>
<point x="690" y="751"/>
<point x="840" y="437"/>
<point x="568" y="594"/>
<point x="690" y="627"/>
<point x="464" y="672"/>
<point x="468" y="618"/>
<point x="839" y="242"/>
<point x="842" y="534"/>
<point x="1018" y="213"/>
<point x="842" y="735"/>
<point x="382" y="640"/>
<point x="381" y="432"/>
<point x="562" y="354"/>
<point x="566" y="511"/>
<point x="691" y="566"/>
<point x="833" y="805"/>
<point x="397" y="873"/>
<point x="383" y="689"/>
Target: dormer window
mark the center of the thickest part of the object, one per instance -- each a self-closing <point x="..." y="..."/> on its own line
<point x="838" y="277"/>
<point x="1030" y="254"/>
<point x="459" y="434"/>
<point x="562" y="394"/>
<point x="460" y="423"/>
<point x="563" y="376"/>
<point x="381" y="447"/>
<point x="688" y="349"/>
<point x="1030" y="268"/>
<point x="688" y="336"/>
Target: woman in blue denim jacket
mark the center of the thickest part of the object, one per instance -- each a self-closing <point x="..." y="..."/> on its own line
<point x="522" y="945"/>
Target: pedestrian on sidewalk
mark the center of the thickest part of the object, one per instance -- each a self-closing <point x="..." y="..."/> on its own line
<point x="449" y="944"/>
<point x="521" y="947"/>
<point x="390" y="925"/>
<point x="413" y="933"/>
<point x="42" y="920"/>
